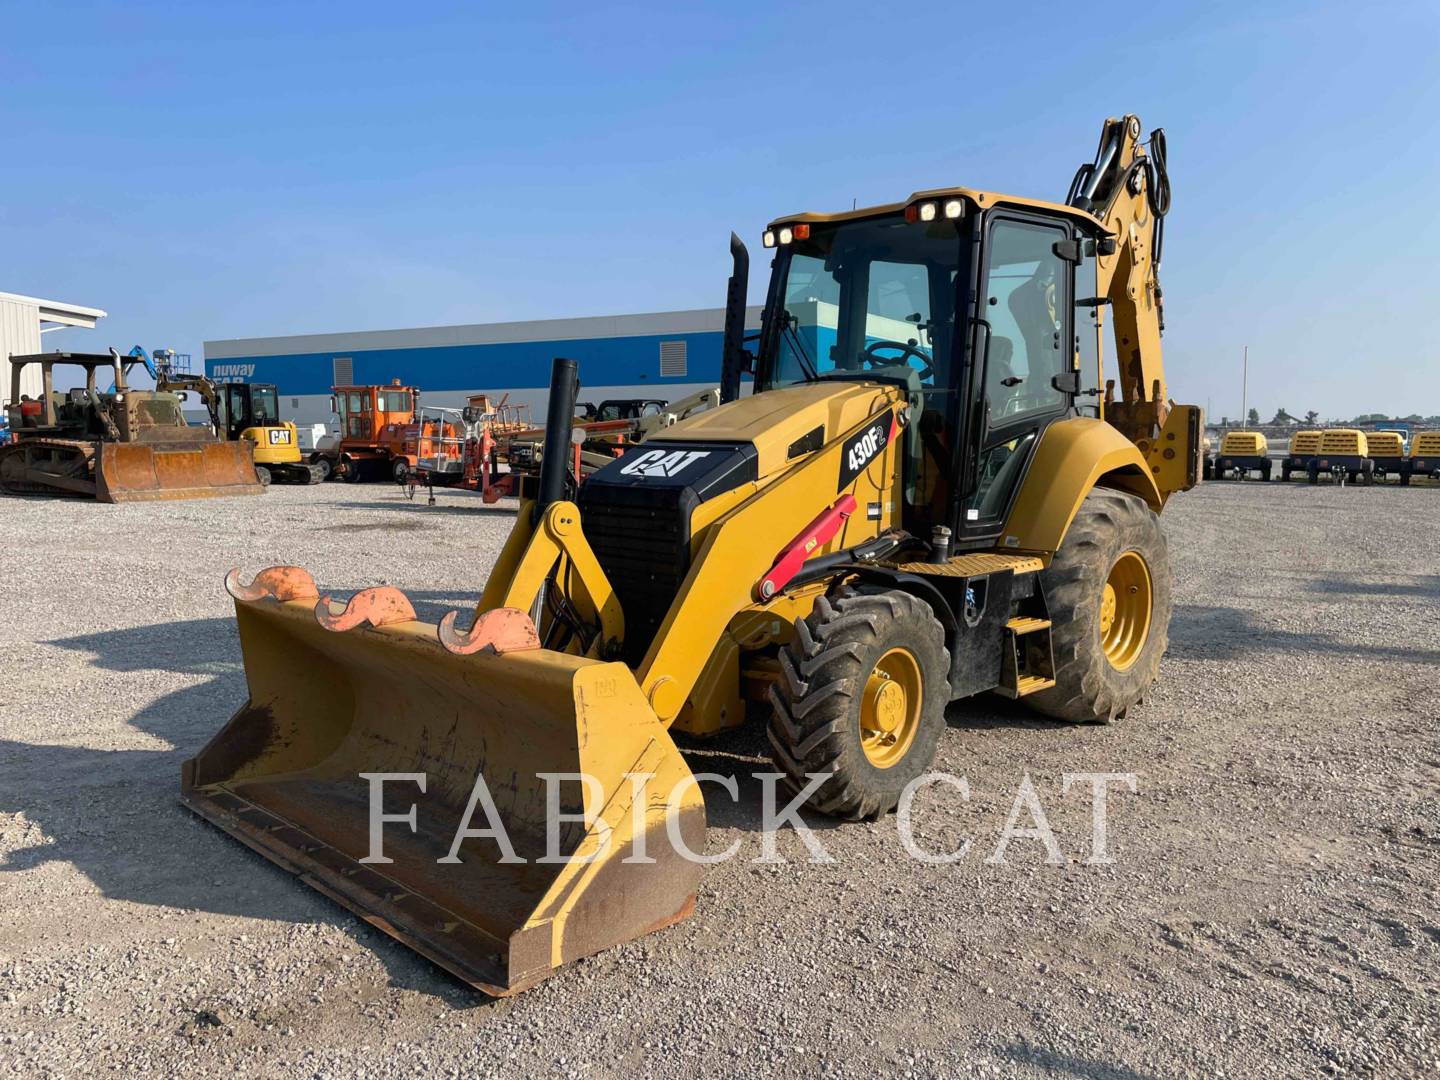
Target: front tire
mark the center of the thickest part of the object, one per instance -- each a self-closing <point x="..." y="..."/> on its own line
<point x="862" y="696"/>
<point x="1108" y="589"/>
<point x="400" y="470"/>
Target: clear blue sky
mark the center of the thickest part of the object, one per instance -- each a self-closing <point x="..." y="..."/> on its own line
<point x="217" y="170"/>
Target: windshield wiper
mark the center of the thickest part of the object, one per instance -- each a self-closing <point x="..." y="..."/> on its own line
<point x="797" y="344"/>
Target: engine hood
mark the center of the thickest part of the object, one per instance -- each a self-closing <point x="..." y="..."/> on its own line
<point x="784" y="425"/>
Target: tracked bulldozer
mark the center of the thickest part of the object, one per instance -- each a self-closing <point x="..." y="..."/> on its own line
<point x="930" y="494"/>
<point x="115" y="445"/>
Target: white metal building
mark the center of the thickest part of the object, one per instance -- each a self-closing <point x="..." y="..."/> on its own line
<point x="22" y="320"/>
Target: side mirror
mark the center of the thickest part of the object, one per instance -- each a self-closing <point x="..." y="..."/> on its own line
<point x="1069" y="250"/>
<point x="1067" y="382"/>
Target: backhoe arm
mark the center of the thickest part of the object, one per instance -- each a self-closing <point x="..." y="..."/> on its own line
<point x="1128" y="189"/>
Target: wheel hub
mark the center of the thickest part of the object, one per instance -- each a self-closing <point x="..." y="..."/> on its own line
<point x="890" y="708"/>
<point x="1125" y="610"/>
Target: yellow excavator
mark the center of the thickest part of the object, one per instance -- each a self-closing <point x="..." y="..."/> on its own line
<point x="932" y="492"/>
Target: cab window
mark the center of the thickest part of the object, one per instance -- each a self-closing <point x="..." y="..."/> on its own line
<point x="1025" y="292"/>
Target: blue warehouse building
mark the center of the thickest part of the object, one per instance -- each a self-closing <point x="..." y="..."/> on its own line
<point x="668" y="355"/>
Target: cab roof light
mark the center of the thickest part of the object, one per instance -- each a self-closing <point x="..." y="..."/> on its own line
<point x="802" y="231"/>
<point x="928" y="211"/>
<point x="786" y="234"/>
<point x="954" y="208"/>
<point x="769" y="238"/>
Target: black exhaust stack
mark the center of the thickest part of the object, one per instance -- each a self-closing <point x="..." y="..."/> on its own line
<point x="559" y="423"/>
<point x="736" y="359"/>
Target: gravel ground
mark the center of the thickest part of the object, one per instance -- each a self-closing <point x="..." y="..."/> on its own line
<point x="1274" y="906"/>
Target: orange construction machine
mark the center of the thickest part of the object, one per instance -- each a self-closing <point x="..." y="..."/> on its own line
<point x="377" y="433"/>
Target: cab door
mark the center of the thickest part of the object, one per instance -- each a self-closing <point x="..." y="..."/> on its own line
<point x="1024" y="335"/>
<point x="237" y="409"/>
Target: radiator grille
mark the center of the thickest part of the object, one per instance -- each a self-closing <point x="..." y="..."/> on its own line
<point x="641" y="536"/>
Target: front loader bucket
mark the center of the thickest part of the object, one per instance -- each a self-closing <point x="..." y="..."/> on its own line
<point x="288" y="776"/>
<point x="133" y="472"/>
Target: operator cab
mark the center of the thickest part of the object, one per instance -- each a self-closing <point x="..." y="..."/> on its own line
<point x="969" y="304"/>
<point x="248" y="405"/>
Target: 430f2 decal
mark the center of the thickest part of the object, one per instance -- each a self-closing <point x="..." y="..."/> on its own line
<point x="864" y="447"/>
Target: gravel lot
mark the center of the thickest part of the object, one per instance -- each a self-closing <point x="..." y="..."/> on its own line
<point x="1274" y="907"/>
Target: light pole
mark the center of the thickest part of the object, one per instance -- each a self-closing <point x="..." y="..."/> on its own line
<point x="1245" y="388"/>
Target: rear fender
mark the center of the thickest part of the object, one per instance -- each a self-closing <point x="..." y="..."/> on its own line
<point x="1074" y="457"/>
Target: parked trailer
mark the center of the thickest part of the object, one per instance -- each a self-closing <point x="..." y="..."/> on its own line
<point x="1424" y="459"/>
<point x="1387" y="455"/>
<point x="1304" y="445"/>
<point x="1242" y="453"/>
<point x="1343" y="456"/>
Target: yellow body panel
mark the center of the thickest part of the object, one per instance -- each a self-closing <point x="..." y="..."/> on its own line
<point x="1385" y="444"/>
<point x="1344" y="441"/>
<point x="1304" y="443"/>
<point x="1074" y="456"/>
<point x="1425" y="444"/>
<point x="1244" y="444"/>
<point x="275" y="444"/>
<point x="774" y="420"/>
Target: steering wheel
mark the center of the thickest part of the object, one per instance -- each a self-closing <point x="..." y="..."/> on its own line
<point x="906" y="351"/>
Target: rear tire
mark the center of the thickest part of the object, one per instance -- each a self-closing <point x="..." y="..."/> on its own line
<point x="836" y="708"/>
<point x="1265" y="469"/>
<point x="354" y="470"/>
<point x="1104" y="663"/>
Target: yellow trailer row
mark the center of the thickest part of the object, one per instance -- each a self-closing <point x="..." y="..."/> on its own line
<point x="1341" y="454"/>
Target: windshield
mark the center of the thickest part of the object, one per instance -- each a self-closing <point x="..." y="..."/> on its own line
<point x="263" y="401"/>
<point x="864" y="296"/>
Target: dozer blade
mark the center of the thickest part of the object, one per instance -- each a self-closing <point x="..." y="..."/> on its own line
<point x="336" y="696"/>
<point x="132" y="472"/>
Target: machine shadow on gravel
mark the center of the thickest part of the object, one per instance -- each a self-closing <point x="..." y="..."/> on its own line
<point x="1202" y="632"/>
<point x="115" y="815"/>
<point x="1425" y="586"/>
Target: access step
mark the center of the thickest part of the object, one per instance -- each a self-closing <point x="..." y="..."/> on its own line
<point x="1028" y="664"/>
<point x="1030" y="684"/>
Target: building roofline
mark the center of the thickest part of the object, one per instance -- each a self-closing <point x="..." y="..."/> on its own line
<point x="57" y="311"/>
<point x="694" y="321"/>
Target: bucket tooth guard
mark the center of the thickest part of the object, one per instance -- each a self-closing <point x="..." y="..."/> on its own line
<point x="382" y="606"/>
<point x="288" y="777"/>
<point x="502" y="630"/>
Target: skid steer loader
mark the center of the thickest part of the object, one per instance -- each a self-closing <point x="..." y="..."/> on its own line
<point x="909" y="509"/>
<point x="116" y="445"/>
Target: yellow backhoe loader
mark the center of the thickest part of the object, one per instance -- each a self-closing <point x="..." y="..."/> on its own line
<point x="115" y="445"/>
<point x="933" y="492"/>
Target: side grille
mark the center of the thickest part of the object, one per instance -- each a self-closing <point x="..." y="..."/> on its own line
<point x="642" y="538"/>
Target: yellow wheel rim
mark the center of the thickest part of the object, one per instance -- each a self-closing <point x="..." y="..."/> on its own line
<point x="1125" y="610"/>
<point x="890" y="708"/>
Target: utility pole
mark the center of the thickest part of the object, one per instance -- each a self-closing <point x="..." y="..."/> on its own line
<point x="1245" y="388"/>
